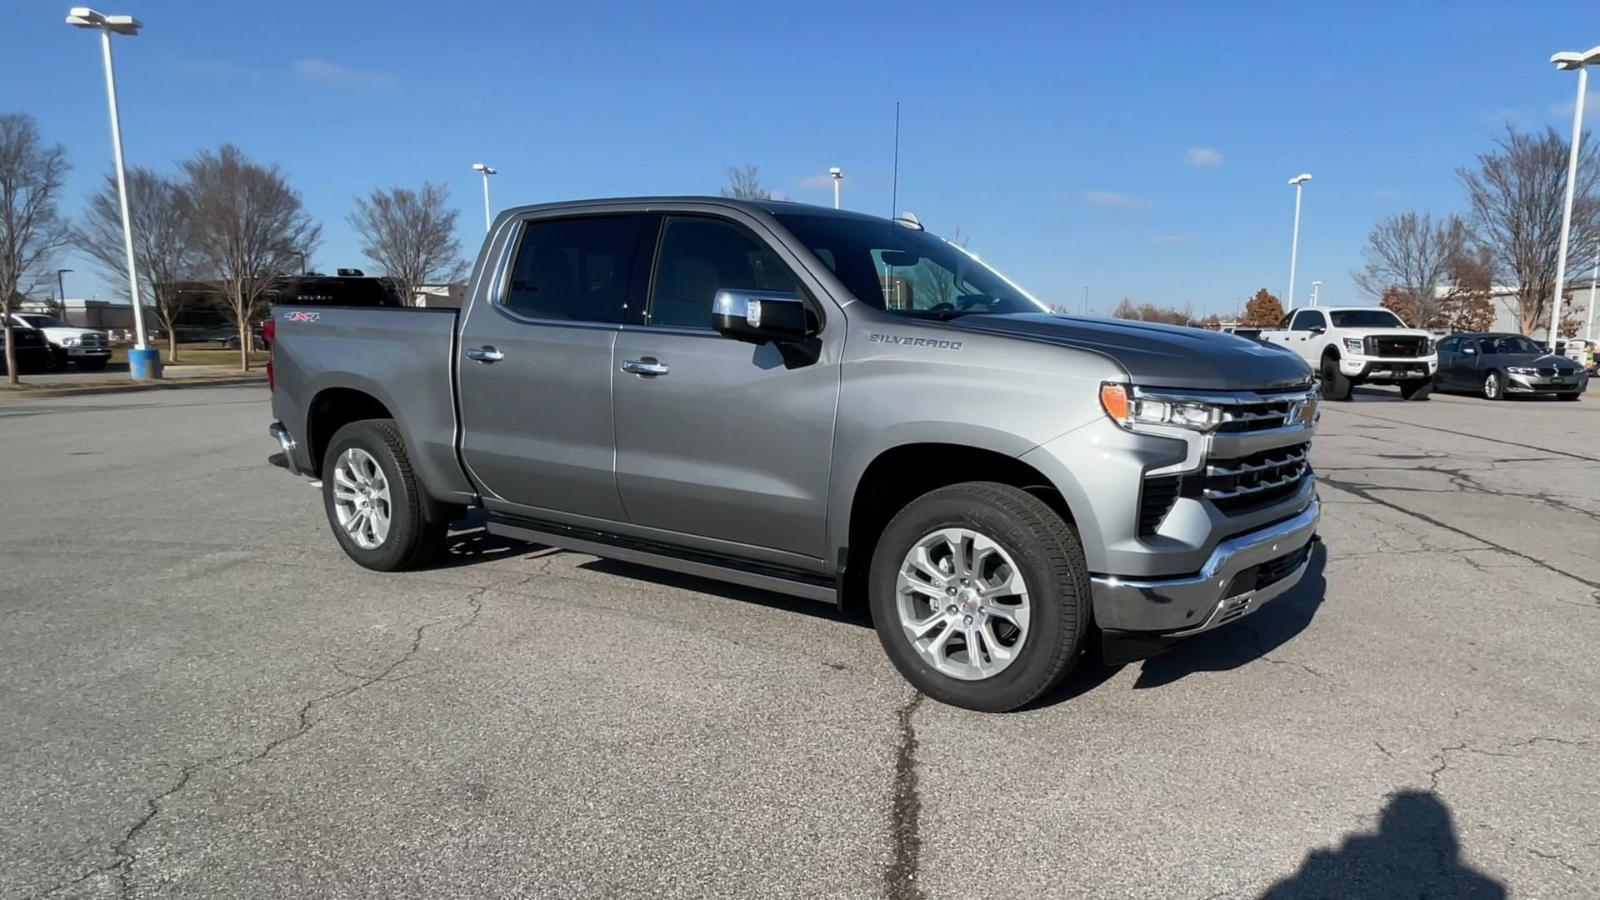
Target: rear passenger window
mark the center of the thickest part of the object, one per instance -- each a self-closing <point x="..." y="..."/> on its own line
<point x="699" y="257"/>
<point x="573" y="269"/>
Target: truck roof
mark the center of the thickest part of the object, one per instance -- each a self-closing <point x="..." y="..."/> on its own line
<point x="768" y="206"/>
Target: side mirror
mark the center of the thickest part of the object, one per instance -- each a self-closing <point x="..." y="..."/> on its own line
<point x="757" y="317"/>
<point x="1470" y="351"/>
<point x="1317" y="329"/>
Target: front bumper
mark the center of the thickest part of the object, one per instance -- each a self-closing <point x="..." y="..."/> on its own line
<point x="1243" y="574"/>
<point x="1369" y="369"/>
<point x="88" y="352"/>
<point x="1542" y="384"/>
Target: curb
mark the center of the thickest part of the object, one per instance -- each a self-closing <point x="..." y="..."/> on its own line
<point x="135" y="386"/>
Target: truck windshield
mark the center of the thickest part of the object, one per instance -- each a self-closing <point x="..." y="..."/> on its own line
<point x="1366" y="318"/>
<point x="906" y="270"/>
<point x="41" y="321"/>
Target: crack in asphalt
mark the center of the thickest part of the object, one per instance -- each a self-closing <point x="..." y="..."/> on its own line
<point x="123" y="848"/>
<point x="1262" y="652"/>
<point x="900" y="878"/>
<point x="1554" y="857"/>
<point x="1365" y="493"/>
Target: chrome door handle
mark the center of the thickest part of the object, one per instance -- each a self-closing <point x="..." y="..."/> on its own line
<point x="485" y="354"/>
<point x="646" y="366"/>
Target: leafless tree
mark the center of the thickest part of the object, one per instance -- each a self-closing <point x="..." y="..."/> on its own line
<point x="411" y="235"/>
<point x="744" y="182"/>
<point x="249" y="229"/>
<point x="163" y="249"/>
<point x="31" y="230"/>
<point x="1517" y="193"/>
<point x="1413" y="253"/>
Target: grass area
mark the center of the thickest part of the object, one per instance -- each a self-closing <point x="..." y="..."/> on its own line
<point x="196" y="355"/>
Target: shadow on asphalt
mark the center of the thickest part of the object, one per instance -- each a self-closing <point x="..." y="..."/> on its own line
<point x="668" y="578"/>
<point x="1414" y="853"/>
<point x="1243" y="642"/>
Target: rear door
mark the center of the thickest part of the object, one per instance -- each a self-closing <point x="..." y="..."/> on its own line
<point x="535" y="368"/>
<point x="718" y="441"/>
<point x="1449" y="351"/>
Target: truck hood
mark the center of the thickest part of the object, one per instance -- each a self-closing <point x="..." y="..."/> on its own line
<point x="1389" y="332"/>
<point x="1156" y="355"/>
<point x="56" y="333"/>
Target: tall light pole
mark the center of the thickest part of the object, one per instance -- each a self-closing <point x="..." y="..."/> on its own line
<point x="1294" y="243"/>
<point x="143" y="362"/>
<point x="1565" y="61"/>
<point x="1594" y="275"/>
<point x="1316" y="288"/>
<point x="837" y="174"/>
<point x="61" y="289"/>
<point x="485" y="171"/>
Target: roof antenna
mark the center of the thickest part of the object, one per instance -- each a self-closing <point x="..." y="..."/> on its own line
<point x="894" y="191"/>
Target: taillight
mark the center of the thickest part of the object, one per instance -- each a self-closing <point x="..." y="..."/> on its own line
<point x="269" y="330"/>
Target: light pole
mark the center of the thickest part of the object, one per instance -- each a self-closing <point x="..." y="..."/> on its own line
<point x="1594" y="275"/>
<point x="143" y="362"/>
<point x="1316" y="288"/>
<point x="1086" y="301"/>
<point x="61" y="290"/>
<point x="1565" y="61"/>
<point x="485" y="171"/>
<point x="1294" y="243"/>
<point x="837" y="174"/>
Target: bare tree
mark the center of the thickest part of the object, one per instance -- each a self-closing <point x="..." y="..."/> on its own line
<point x="744" y="182"/>
<point x="411" y="235"/>
<point x="1517" y="194"/>
<point x="1414" y="254"/>
<point x="249" y="229"/>
<point x="163" y="249"/>
<point x="31" y="230"/>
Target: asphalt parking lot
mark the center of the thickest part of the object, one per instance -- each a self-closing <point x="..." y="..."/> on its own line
<point x="200" y="696"/>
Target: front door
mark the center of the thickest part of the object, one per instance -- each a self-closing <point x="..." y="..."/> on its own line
<point x="718" y="439"/>
<point x="535" y="369"/>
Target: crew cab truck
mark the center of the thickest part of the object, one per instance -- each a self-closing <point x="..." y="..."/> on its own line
<point x="86" y="348"/>
<point x="1359" y="345"/>
<point x="821" y="403"/>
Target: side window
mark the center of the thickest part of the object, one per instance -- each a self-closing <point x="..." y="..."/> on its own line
<point x="1283" y="323"/>
<point x="1304" y="320"/>
<point x="1448" y="345"/>
<point x="573" y="269"/>
<point x="700" y="256"/>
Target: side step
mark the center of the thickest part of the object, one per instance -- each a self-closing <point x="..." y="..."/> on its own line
<point x="666" y="556"/>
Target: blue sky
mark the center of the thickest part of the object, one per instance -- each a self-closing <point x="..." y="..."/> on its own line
<point x="1140" y="150"/>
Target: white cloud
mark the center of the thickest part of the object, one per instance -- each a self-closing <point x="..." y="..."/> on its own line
<point x="320" y="71"/>
<point x="1114" y="200"/>
<point x="816" y="183"/>
<point x="1203" y="158"/>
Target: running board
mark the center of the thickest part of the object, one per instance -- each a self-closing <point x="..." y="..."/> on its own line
<point x="604" y="544"/>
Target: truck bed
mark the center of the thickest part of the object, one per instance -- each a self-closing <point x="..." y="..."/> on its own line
<point x="404" y="358"/>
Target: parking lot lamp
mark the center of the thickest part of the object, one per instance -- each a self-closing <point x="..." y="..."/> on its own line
<point x="143" y="362"/>
<point x="1594" y="274"/>
<point x="1316" y="289"/>
<point x="485" y="171"/>
<point x="1581" y="62"/>
<point x="837" y="174"/>
<point x="1294" y="242"/>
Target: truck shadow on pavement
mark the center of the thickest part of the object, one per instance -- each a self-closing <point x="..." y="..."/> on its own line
<point x="1414" y="853"/>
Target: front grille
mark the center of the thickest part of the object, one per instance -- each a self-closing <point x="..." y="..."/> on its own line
<point x="92" y="341"/>
<point x="1258" y="416"/>
<point x="1160" y="493"/>
<point x="1407" y="347"/>
<point x="1248" y="483"/>
<point x="1547" y="373"/>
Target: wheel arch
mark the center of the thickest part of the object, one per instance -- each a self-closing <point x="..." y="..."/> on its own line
<point x="331" y="409"/>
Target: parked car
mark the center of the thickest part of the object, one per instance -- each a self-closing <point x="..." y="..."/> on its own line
<point x="86" y="348"/>
<point x="1498" y="365"/>
<point x="826" y="404"/>
<point x="31" y="347"/>
<point x="1354" y="345"/>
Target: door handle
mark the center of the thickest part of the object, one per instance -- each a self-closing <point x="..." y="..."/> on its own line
<point x="649" y="365"/>
<point x="485" y="354"/>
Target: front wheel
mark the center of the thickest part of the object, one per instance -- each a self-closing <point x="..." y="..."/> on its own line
<point x="1493" y="387"/>
<point x="1416" y="390"/>
<point x="1572" y="396"/>
<point x="92" y="363"/>
<point x="1335" y="386"/>
<point x="980" y="595"/>
<point x="373" y="501"/>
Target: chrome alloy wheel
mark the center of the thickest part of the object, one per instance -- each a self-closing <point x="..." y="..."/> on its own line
<point x="361" y="498"/>
<point x="963" y="604"/>
<point x="1491" y="386"/>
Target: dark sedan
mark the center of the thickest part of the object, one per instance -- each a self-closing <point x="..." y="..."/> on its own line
<point x="32" y="350"/>
<point x="1500" y="365"/>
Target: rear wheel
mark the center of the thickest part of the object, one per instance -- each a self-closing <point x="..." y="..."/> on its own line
<point x="373" y="501"/>
<point x="980" y="595"/>
<point x="1494" y="386"/>
<point x="1335" y="386"/>
<point x="1416" y="390"/>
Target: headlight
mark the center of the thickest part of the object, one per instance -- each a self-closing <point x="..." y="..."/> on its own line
<point x="1129" y="411"/>
<point x="1354" y="345"/>
<point x="1521" y="370"/>
<point x="69" y="342"/>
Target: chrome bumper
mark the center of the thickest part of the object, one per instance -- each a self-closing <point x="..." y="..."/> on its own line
<point x="1176" y="607"/>
<point x="286" y="443"/>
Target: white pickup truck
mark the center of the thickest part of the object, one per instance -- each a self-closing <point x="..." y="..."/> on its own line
<point x="87" y="348"/>
<point x="1355" y="345"/>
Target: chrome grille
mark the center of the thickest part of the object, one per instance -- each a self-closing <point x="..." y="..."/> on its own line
<point x="1251" y="482"/>
<point x="1402" y="347"/>
<point x="1257" y="416"/>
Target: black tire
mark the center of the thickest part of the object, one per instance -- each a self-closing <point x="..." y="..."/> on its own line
<point x="1050" y="559"/>
<point x="1335" y="386"/>
<point x="1416" y="390"/>
<point x="58" y="359"/>
<point x="92" y="363"/>
<point x="412" y="540"/>
<point x="1494" y="385"/>
<point x="1572" y="396"/>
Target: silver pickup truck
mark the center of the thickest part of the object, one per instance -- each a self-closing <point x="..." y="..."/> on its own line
<point x="822" y="403"/>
